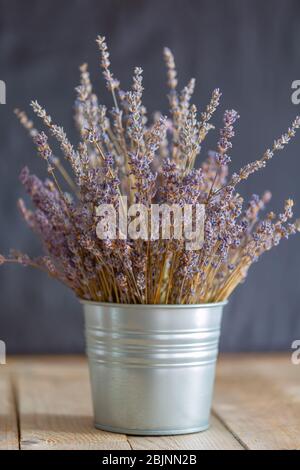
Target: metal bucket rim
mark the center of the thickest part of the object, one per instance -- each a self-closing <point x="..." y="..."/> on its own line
<point x="166" y="306"/>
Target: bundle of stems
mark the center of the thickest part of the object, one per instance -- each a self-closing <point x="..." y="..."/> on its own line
<point x="150" y="161"/>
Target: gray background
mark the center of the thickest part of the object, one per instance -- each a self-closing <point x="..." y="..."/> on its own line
<point x="250" y="49"/>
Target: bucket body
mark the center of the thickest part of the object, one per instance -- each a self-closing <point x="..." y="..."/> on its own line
<point x="152" y="367"/>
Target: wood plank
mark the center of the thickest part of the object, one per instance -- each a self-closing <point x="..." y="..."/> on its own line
<point x="9" y="439"/>
<point x="55" y="410"/>
<point x="217" y="437"/>
<point x="258" y="399"/>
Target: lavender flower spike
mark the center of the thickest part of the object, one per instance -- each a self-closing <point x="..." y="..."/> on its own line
<point x="125" y="155"/>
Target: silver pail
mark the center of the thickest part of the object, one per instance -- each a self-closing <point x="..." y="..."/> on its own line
<point x="152" y="367"/>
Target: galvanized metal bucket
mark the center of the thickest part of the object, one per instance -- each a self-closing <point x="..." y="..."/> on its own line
<point x="152" y="367"/>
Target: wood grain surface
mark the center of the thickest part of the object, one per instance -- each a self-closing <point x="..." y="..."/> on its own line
<point x="46" y="404"/>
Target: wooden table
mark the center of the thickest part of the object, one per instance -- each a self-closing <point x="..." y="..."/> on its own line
<point x="45" y="404"/>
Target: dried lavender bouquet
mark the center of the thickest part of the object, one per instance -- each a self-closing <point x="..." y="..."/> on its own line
<point x="121" y="153"/>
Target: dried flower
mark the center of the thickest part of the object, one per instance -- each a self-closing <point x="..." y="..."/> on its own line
<point x="111" y="82"/>
<point x="123" y="153"/>
<point x="226" y="135"/>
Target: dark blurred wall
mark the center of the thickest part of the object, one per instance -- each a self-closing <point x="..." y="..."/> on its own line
<point x="248" y="48"/>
